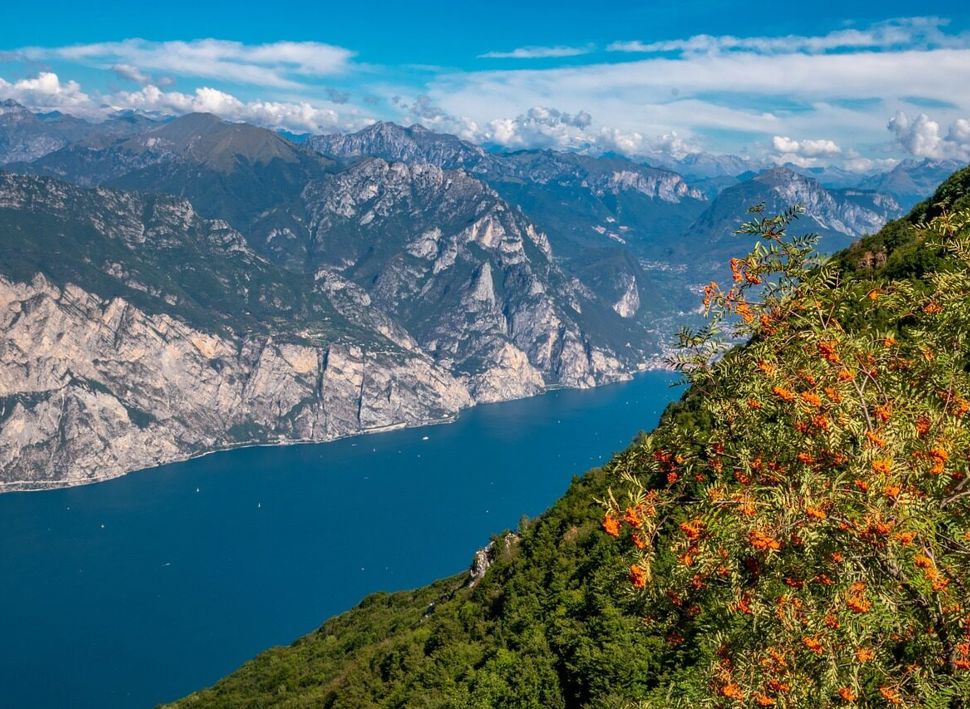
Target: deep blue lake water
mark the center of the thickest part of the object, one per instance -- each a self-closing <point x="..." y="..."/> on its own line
<point x="142" y="589"/>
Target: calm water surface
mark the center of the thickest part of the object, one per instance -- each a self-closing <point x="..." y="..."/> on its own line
<point x="142" y="589"/>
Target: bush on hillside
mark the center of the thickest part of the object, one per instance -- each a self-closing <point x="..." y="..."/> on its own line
<point x="812" y="541"/>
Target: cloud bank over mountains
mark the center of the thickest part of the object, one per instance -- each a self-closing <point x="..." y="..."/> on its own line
<point x="810" y="100"/>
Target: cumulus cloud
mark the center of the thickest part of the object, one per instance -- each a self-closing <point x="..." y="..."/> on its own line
<point x="295" y="116"/>
<point x="805" y="153"/>
<point x="537" y="53"/>
<point x="923" y="137"/>
<point x="275" y="64"/>
<point x="855" y="162"/>
<point x="46" y="92"/>
<point x="912" y="31"/>
<point x="541" y="127"/>
<point x="545" y="127"/>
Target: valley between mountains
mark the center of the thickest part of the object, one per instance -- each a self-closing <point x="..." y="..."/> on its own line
<point x="173" y="288"/>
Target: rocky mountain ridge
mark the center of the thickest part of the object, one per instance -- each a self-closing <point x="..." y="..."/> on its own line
<point x="351" y="283"/>
<point x="156" y="358"/>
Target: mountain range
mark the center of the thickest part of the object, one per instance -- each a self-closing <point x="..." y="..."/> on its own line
<point x="173" y="287"/>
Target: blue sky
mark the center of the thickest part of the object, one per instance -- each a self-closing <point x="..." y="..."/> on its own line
<point x="858" y="84"/>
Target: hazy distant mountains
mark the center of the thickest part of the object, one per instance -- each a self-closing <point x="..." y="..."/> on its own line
<point x="173" y="287"/>
<point x="26" y="136"/>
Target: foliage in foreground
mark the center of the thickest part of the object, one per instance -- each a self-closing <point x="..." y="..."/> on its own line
<point x="814" y="542"/>
<point x="555" y="622"/>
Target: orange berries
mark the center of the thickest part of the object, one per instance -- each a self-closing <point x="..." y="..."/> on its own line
<point x="762" y="541"/>
<point x="763" y="700"/>
<point x="882" y="465"/>
<point x="922" y="426"/>
<point x="813" y="644"/>
<point x="744" y="310"/>
<point x="960" y="407"/>
<point x="710" y="290"/>
<point x="844" y="375"/>
<point x="864" y="654"/>
<point x="783" y="393"/>
<point x="736" y="273"/>
<point x="888" y="341"/>
<point x="692" y="529"/>
<point x="858" y="604"/>
<point x="847" y="695"/>
<point x="833" y="394"/>
<point x="827" y="349"/>
<point x="939" y="456"/>
<point x="743" y="604"/>
<point x="891" y="695"/>
<point x="820" y="422"/>
<point x="932" y="308"/>
<point x="779" y="686"/>
<point x="767" y="368"/>
<point x="638" y="576"/>
<point x="815" y="512"/>
<point x="632" y="517"/>
<point x="611" y="525"/>
<point x="805" y="458"/>
<point x="883" y="412"/>
<point x="754" y="404"/>
<point x="905" y="538"/>
<point x="811" y="398"/>
<point x="892" y="491"/>
<point x="732" y="691"/>
<point x="876" y="439"/>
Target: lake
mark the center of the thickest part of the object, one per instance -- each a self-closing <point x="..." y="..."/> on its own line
<point x="142" y="589"/>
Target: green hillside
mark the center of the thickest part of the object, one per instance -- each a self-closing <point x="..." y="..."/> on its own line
<point x="557" y="620"/>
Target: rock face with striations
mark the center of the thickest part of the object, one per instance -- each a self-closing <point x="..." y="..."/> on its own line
<point x="91" y="388"/>
<point x="135" y="332"/>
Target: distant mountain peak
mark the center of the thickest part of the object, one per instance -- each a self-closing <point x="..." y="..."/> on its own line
<point x="205" y="138"/>
<point x="395" y="143"/>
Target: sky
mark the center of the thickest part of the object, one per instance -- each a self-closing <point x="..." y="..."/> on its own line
<point x="859" y="85"/>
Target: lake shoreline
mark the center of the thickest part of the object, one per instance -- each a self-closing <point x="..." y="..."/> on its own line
<point x="35" y="486"/>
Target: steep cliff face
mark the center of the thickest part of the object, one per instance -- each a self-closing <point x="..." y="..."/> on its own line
<point x="466" y="274"/>
<point x="134" y="331"/>
<point x="395" y="143"/>
<point x="91" y="388"/>
<point x="838" y="216"/>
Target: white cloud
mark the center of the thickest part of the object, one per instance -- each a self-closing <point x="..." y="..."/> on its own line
<point x="725" y="96"/>
<point x="296" y="116"/>
<point x="854" y="162"/>
<point x="805" y="153"/>
<point x="131" y="73"/>
<point x="541" y="127"/>
<point x="276" y="64"/>
<point x="919" y="31"/>
<point x="537" y="53"/>
<point x="923" y="137"/>
<point x="46" y="92"/>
